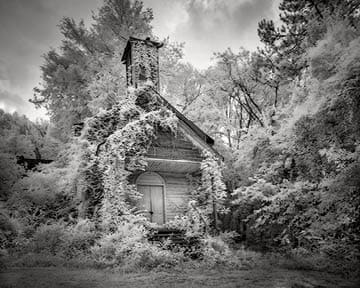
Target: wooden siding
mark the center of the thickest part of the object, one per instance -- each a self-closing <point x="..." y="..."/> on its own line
<point x="149" y="178"/>
<point x="177" y="192"/>
<point x="177" y="147"/>
<point x="174" y="166"/>
<point x="173" y="156"/>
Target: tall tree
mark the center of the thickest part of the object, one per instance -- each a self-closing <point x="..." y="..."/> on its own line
<point x="303" y="25"/>
<point x="85" y="58"/>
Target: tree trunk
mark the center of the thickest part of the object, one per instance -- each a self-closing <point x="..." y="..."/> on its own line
<point x="37" y="153"/>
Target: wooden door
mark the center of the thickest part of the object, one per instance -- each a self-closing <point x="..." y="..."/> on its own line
<point x="153" y="202"/>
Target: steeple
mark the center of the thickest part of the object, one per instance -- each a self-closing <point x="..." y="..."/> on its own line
<point x="141" y="58"/>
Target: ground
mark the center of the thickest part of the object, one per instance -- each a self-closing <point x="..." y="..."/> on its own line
<point x="185" y="278"/>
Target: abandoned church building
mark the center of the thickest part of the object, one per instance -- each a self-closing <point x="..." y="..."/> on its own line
<point x="165" y="184"/>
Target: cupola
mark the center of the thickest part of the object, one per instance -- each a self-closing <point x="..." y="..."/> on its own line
<point x="141" y="58"/>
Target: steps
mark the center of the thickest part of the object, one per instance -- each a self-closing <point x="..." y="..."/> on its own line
<point x="176" y="236"/>
<point x="177" y="240"/>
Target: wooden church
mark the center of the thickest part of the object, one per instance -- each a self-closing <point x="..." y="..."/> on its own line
<point x="171" y="158"/>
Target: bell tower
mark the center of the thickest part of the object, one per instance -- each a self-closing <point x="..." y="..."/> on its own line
<point x="141" y="58"/>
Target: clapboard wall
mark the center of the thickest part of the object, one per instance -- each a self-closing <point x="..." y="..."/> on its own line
<point x="177" y="192"/>
<point x="177" y="189"/>
<point x="173" y="146"/>
<point x="173" y="157"/>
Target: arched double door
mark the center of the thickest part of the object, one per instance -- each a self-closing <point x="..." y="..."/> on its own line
<point x="152" y="186"/>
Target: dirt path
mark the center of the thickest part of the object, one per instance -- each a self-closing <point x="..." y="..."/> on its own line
<point x="255" y="278"/>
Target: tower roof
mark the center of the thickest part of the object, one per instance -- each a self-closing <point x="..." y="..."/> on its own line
<point x="147" y="41"/>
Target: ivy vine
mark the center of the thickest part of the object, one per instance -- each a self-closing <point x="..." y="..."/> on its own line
<point x="125" y="133"/>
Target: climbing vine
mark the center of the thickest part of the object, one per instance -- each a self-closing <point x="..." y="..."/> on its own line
<point x="145" y="61"/>
<point x="208" y="198"/>
<point x="212" y="188"/>
<point x="121" y="136"/>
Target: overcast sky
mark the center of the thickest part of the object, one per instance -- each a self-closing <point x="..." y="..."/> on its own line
<point x="28" y="28"/>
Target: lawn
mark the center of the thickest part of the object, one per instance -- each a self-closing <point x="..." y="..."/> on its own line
<point x="186" y="278"/>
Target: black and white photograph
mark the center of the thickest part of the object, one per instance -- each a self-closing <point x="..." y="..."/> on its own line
<point x="180" y="143"/>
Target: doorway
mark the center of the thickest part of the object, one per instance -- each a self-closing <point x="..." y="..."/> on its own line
<point x="151" y="186"/>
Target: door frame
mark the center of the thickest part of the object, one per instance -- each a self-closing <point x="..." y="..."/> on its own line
<point x="153" y="179"/>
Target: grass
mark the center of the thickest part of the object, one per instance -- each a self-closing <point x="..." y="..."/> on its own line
<point x="177" y="277"/>
<point x="251" y="269"/>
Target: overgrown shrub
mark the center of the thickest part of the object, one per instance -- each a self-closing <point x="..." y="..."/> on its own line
<point x="147" y="255"/>
<point x="45" y="196"/>
<point x="48" y="239"/>
<point x="9" y="229"/>
<point x="78" y="239"/>
<point x="129" y="247"/>
<point x="195" y="223"/>
<point x="217" y="253"/>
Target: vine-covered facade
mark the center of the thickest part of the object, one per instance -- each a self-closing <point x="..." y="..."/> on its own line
<point x="148" y="154"/>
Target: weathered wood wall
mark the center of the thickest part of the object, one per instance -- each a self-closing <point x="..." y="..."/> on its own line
<point x="177" y="192"/>
<point x="177" y="189"/>
<point x="168" y="146"/>
<point x="172" y="157"/>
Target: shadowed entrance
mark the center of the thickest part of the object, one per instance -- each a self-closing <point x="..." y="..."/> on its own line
<point x="151" y="185"/>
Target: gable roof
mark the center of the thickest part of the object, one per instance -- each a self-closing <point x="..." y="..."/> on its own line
<point x="205" y="138"/>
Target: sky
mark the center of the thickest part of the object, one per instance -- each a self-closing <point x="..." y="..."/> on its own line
<point x="28" y="29"/>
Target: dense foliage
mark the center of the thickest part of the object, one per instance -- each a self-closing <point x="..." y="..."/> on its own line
<point x="297" y="187"/>
<point x="285" y="118"/>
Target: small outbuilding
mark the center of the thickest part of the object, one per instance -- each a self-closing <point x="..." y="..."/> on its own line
<point x="172" y="158"/>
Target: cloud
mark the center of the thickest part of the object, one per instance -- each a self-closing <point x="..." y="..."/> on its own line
<point x="168" y="15"/>
<point x="27" y="30"/>
<point x="209" y="26"/>
<point x="11" y="101"/>
<point x="231" y="18"/>
<point x="14" y="98"/>
<point x="4" y="72"/>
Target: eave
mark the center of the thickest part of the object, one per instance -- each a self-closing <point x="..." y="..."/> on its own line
<point x="173" y="165"/>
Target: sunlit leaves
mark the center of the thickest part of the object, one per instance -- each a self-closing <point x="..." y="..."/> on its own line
<point x="85" y="74"/>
